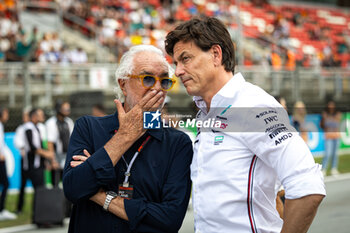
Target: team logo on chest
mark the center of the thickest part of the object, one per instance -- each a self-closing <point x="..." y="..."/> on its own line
<point x="218" y="140"/>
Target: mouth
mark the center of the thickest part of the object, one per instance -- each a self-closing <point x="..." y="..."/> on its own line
<point x="185" y="80"/>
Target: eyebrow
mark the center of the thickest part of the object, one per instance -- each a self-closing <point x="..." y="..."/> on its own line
<point x="180" y="56"/>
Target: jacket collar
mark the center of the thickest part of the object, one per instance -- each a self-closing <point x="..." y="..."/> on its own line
<point x="226" y="92"/>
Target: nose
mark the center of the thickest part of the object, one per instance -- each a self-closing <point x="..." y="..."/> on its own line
<point x="179" y="70"/>
<point x="157" y="86"/>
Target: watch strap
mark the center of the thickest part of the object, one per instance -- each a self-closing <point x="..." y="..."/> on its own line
<point x="110" y="196"/>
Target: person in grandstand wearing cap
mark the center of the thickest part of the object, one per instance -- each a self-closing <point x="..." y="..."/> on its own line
<point x="120" y="176"/>
<point x="235" y="167"/>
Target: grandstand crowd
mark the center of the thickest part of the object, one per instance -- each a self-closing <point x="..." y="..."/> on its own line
<point x="292" y="35"/>
<point x="296" y="35"/>
<point x="16" y="43"/>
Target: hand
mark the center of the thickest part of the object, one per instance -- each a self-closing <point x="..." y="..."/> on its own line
<point x="131" y="122"/>
<point x="55" y="165"/>
<point x="79" y="159"/>
<point x="2" y="158"/>
<point x="51" y="154"/>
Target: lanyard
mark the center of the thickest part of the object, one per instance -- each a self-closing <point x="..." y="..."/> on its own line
<point x="127" y="173"/>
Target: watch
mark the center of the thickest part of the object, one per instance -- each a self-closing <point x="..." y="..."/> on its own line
<point x="110" y="196"/>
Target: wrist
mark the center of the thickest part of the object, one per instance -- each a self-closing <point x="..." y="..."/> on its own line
<point x="125" y="137"/>
<point x="117" y="146"/>
<point x="109" y="196"/>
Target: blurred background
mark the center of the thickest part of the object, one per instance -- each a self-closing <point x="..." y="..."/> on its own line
<point x="68" y="50"/>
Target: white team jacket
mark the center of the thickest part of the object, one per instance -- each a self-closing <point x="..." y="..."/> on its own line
<point x="235" y="167"/>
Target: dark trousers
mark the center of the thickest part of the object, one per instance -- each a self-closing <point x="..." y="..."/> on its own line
<point x="56" y="176"/>
<point x="36" y="176"/>
<point x="5" y="184"/>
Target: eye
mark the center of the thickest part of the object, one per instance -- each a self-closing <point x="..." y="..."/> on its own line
<point x="185" y="59"/>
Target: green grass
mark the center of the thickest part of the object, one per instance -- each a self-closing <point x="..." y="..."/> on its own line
<point x="11" y="205"/>
<point x="343" y="164"/>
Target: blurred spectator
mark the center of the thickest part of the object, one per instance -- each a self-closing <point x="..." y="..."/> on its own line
<point x="298" y="119"/>
<point x="4" y="214"/>
<point x="282" y="101"/>
<point x="59" y="129"/>
<point x="22" y="47"/>
<point x="4" y="47"/>
<point x="290" y="63"/>
<point x="19" y="142"/>
<point x="98" y="110"/>
<point x="34" y="36"/>
<point x="329" y="61"/>
<point x="5" y="25"/>
<point x="78" y="56"/>
<point x="276" y="63"/>
<point x="247" y="59"/>
<point x="64" y="57"/>
<point x="275" y="59"/>
<point x="56" y="43"/>
<point x="45" y="44"/>
<point x="330" y="123"/>
<point x="281" y="32"/>
<point x="35" y="154"/>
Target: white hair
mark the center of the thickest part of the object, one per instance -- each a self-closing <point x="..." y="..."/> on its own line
<point x="126" y="65"/>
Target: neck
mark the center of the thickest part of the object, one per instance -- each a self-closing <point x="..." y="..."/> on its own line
<point x="220" y="79"/>
<point x="60" y="117"/>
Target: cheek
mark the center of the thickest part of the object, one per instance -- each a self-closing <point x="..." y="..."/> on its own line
<point x="135" y="91"/>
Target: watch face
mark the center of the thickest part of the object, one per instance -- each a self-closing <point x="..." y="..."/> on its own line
<point x="113" y="194"/>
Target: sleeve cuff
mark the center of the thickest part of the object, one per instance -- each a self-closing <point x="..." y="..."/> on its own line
<point x="102" y="166"/>
<point x="305" y="184"/>
<point x="135" y="210"/>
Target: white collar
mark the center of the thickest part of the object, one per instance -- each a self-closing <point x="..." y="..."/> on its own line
<point x="227" y="91"/>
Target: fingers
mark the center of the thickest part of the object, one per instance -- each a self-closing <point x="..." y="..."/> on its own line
<point x="154" y="102"/>
<point x="158" y="103"/>
<point x="75" y="163"/>
<point x="86" y="153"/>
<point x="120" y="108"/>
<point x="80" y="157"/>
<point x="148" y="97"/>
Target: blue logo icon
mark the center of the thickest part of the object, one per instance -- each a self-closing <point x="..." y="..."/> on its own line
<point x="151" y="120"/>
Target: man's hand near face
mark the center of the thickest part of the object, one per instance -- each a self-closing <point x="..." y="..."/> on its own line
<point x="131" y="124"/>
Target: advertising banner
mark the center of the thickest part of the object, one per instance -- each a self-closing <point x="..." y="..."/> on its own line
<point x="315" y="143"/>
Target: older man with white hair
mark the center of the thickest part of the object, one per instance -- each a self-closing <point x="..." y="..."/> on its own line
<point x="120" y="176"/>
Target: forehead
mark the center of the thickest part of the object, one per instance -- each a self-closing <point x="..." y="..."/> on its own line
<point x="65" y="105"/>
<point x="182" y="47"/>
<point x="149" y="62"/>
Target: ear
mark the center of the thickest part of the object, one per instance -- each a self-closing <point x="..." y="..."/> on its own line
<point x="122" y="83"/>
<point x="217" y="55"/>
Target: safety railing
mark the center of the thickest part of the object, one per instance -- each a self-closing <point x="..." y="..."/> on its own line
<point x="46" y="81"/>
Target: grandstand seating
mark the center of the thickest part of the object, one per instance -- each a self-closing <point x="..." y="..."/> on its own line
<point x="333" y="23"/>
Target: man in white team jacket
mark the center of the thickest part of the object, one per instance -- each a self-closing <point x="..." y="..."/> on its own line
<point x="235" y="167"/>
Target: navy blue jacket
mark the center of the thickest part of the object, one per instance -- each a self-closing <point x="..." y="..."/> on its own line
<point x="160" y="176"/>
